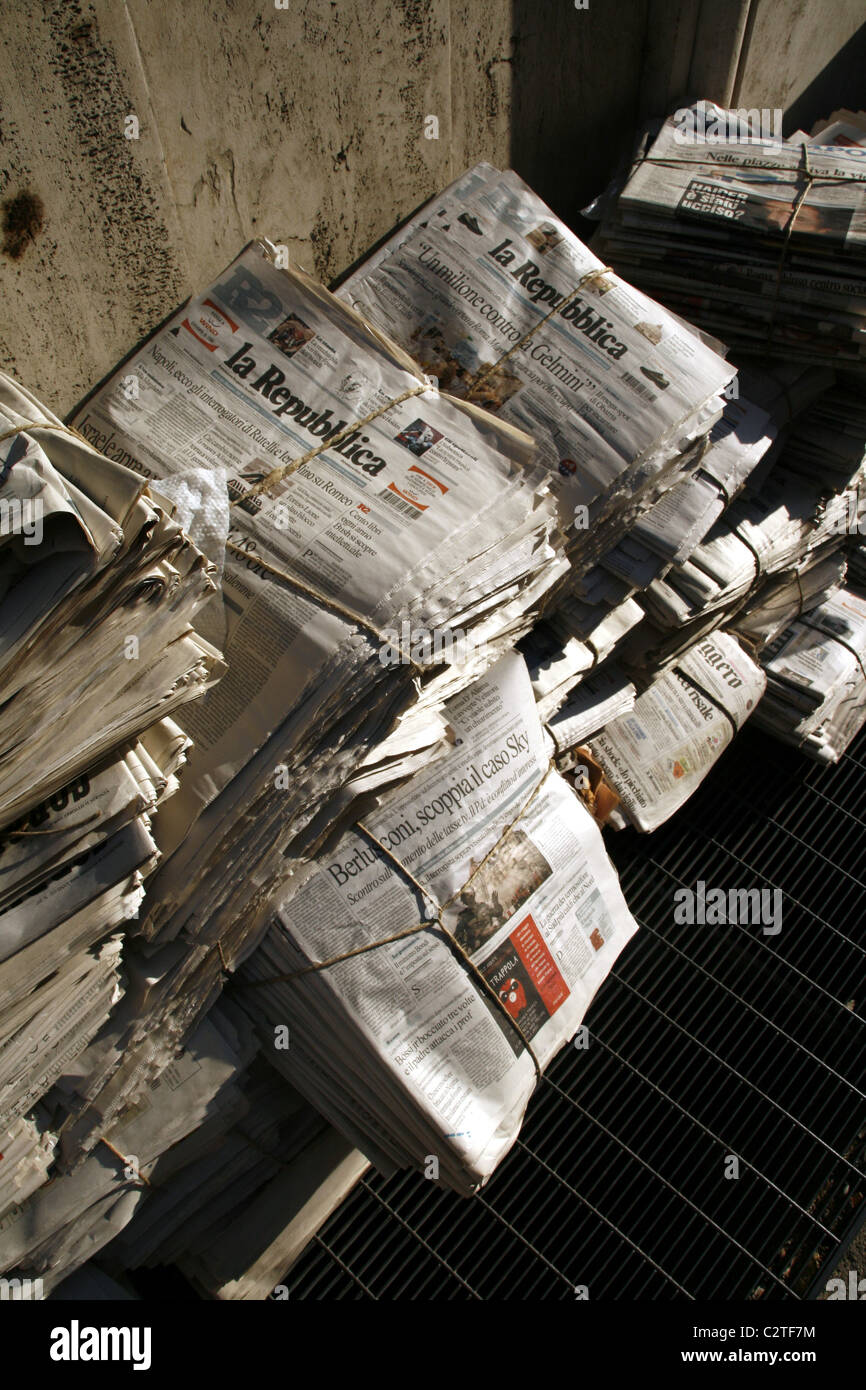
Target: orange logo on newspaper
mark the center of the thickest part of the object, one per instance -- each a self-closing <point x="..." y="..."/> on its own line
<point x="678" y="770"/>
<point x="211" y="325"/>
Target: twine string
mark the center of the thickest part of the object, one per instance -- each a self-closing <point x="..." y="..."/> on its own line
<point x="434" y="922"/>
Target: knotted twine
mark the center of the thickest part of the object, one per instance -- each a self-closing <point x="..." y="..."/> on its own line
<point x="435" y="922"/>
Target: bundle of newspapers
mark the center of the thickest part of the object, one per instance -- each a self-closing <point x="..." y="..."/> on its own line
<point x="100" y="589"/>
<point x="505" y="306"/>
<point x="429" y="963"/>
<point x="656" y="755"/>
<point x="782" y="543"/>
<point x="759" y="239"/>
<point x="603" y="625"/>
<point x="816" y="677"/>
<point x="183" y="1114"/>
<point x="387" y="544"/>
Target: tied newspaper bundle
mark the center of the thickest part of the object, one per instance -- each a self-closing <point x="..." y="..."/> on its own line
<point x="816" y="677"/>
<point x="505" y="306"/>
<point x="760" y="239"/>
<point x="605" y="605"/>
<point x="387" y="545"/>
<point x="748" y="434"/>
<point x="776" y="550"/>
<point x="655" y="756"/>
<point x="608" y="605"/>
<point x="100" y="586"/>
<point x="225" y="1218"/>
<point x="192" y="1108"/>
<point x="430" y="963"/>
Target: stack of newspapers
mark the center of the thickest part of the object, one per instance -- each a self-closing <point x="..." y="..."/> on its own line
<point x="72" y="872"/>
<point x="183" y="1113"/>
<point x="502" y="303"/>
<point x="816" y="677"/>
<point x="100" y="588"/>
<point x="431" y="961"/>
<point x="788" y="524"/>
<point x="655" y="756"/>
<point x="483" y="527"/>
<point x="600" y="618"/>
<point x="759" y="239"/>
<point x="387" y="544"/>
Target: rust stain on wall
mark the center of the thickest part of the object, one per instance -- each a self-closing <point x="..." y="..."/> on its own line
<point x="23" y="220"/>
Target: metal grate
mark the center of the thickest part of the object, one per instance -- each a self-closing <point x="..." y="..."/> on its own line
<point x="704" y="1042"/>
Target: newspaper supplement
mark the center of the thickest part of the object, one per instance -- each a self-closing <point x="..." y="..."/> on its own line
<point x="609" y="383"/>
<point x="399" y="1046"/>
<point x="655" y="756"/>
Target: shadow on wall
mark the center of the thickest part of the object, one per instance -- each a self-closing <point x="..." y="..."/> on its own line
<point x="575" y="82"/>
<point x="840" y="84"/>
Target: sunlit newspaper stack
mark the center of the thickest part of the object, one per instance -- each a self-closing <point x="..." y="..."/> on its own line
<point x="387" y="544"/>
<point x="100" y="590"/>
<point x="658" y="754"/>
<point x="596" y="611"/>
<point x="756" y="238"/>
<point x="746" y="435"/>
<point x="789" y="595"/>
<point x="506" y="914"/>
<point x="73" y="872"/>
<point x="507" y="307"/>
<point x="188" y="1109"/>
<point x="791" y="522"/>
<point x="816" y="677"/>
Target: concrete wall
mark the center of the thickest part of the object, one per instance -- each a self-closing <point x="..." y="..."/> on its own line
<point x="306" y="124"/>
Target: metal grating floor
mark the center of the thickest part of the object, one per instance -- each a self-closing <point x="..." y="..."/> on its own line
<point x="704" y="1042"/>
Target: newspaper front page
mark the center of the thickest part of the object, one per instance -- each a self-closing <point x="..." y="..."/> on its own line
<point x="538" y="910"/>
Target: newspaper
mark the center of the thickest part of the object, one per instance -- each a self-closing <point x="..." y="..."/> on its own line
<point x="99" y="588"/>
<point x="610" y="384"/>
<point x="395" y="516"/>
<point x="596" y="702"/>
<point x="26" y="1153"/>
<point x="400" y="1047"/>
<point x="754" y="237"/>
<point x="65" y="1222"/>
<point x="816" y="677"/>
<point x="657" y="755"/>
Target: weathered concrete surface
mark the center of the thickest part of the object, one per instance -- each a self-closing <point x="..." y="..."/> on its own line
<point x="109" y="258"/>
<point x="307" y="124"/>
